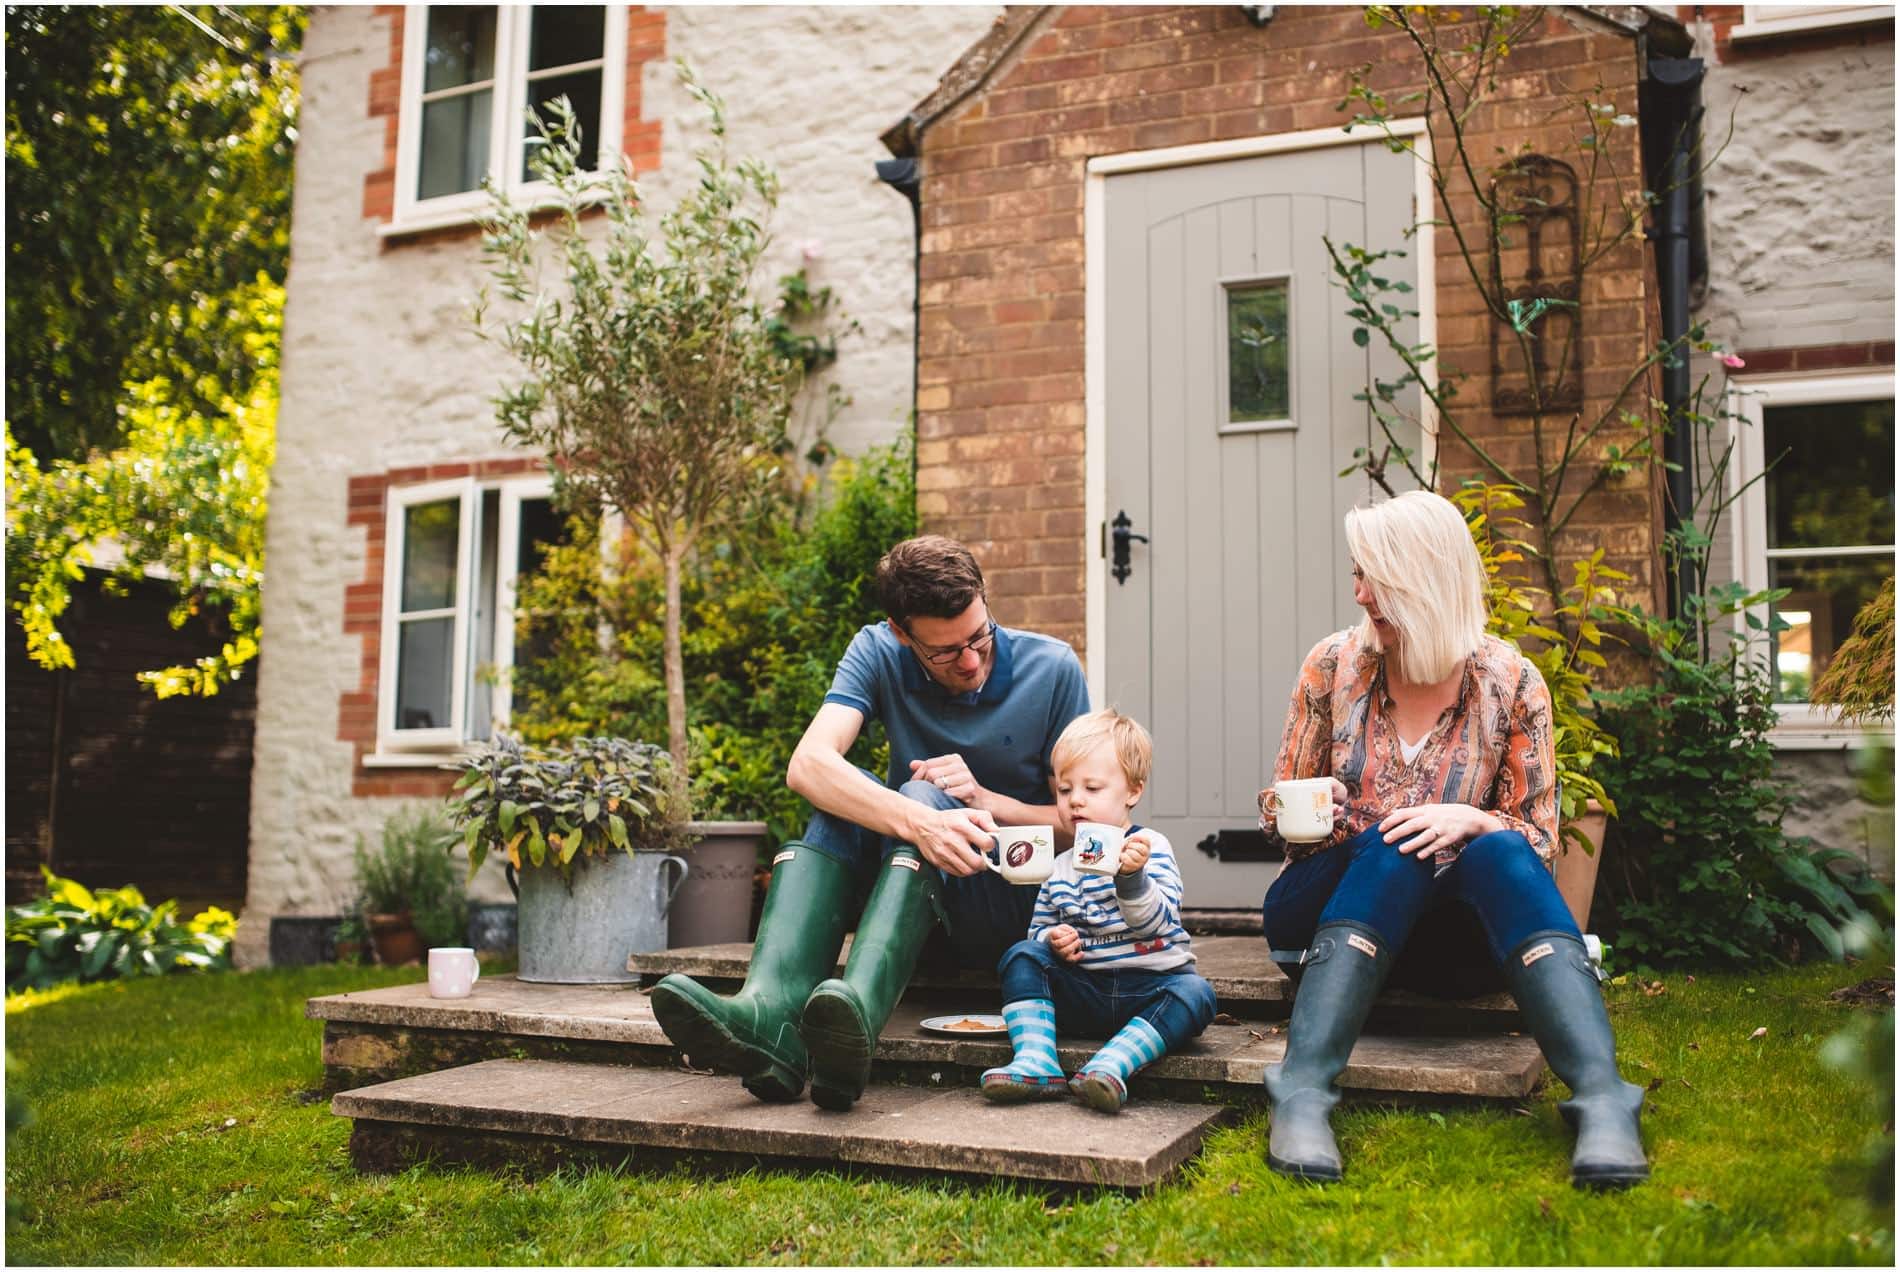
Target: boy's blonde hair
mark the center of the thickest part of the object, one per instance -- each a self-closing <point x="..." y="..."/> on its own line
<point x="1416" y="552"/>
<point x="1133" y="747"/>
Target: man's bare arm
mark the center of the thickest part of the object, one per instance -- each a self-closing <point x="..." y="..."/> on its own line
<point x="947" y="838"/>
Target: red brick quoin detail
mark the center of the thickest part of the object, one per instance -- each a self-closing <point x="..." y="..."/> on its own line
<point x="1876" y="354"/>
<point x="363" y="616"/>
<point x="639" y="137"/>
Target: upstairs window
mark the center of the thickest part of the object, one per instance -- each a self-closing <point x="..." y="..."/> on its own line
<point x="470" y="74"/>
<point x="454" y="553"/>
<point x="1765" y="21"/>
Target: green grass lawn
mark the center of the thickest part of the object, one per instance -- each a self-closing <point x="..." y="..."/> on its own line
<point x="175" y="1123"/>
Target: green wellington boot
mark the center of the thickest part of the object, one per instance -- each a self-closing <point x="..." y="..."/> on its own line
<point x="755" y="1032"/>
<point x="844" y="1016"/>
<point x="1344" y="969"/>
<point x="1555" y="985"/>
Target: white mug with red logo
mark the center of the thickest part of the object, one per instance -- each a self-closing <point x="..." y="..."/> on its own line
<point x="1023" y="854"/>
<point x="1302" y="809"/>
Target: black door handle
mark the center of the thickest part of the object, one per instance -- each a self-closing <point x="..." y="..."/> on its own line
<point x="1121" y="535"/>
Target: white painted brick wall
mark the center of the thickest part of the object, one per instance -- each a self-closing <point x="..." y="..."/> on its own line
<point x="381" y="370"/>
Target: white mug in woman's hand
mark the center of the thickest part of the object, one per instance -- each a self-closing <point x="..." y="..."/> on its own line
<point x="1302" y="809"/>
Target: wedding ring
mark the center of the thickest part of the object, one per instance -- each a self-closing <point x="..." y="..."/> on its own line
<point x="942" y="783"/>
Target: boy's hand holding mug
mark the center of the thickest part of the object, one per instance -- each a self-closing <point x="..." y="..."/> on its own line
<point x="1065" y="942"/>
<point x="1135" y="850"/>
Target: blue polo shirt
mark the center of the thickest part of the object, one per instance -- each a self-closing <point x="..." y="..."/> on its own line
<point x="1004" y="731"/>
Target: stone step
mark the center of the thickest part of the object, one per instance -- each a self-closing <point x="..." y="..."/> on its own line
<point x="655" y="1117"/>
<point x="400" y="1030"/>
<point x="1248" y="983"/>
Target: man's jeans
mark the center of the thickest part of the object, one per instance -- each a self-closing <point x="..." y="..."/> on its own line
<point x="1096" y="1003"/>
<point x="1452" y="929"/>
<point x="984" y="914"/>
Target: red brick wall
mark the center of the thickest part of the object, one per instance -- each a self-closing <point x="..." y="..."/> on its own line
<point x="1724" y="18"/>
<point x="640" y="137"/>
<point x="1000" y="376"/>
<point x="1842" y="357"/>
<point x="363" y="616"/>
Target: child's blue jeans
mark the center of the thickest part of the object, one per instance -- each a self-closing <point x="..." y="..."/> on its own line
<point x="1096" y="1004"/>
<point x="1452" y="929"/>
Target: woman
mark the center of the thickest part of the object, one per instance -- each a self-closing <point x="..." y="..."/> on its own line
<point x="1438" y="740"/>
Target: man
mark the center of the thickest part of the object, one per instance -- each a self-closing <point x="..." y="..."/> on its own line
<point x="972" y="711"/>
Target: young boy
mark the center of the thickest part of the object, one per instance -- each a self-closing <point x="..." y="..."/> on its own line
<point x="1106" y="955"/>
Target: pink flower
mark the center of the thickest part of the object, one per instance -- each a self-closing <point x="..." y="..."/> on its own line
<point x="812" y="250"/>
<point x="1732" y="362"/>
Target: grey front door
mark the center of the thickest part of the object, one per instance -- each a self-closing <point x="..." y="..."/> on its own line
<point x="1231" y="369"/>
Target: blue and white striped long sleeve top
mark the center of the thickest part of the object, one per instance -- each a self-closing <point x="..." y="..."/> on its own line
<point x="1132" y="922"/>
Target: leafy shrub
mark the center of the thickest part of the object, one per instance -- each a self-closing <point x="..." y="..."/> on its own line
<point x="75" y="934"/>
<point x="772" y="605"/>
<point x="411" y="872"/>
<point x="1858" y="682"/>
<point x="1704" y="871"/>
<point x="592" y="795"/>
<point x="1567" y="663"/>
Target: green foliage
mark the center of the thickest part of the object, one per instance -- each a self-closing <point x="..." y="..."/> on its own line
<point x="771" y="607"/>
<point x="655" y="381"/>
<point x="548" y="806"/>
<point x="410" y="872"/>
<point x="1705" y="871"/>
<point x="1858" y="682"/>
<point x="1568" y="663"/>
<point x="148" y="175"/>
<point x="76" y="934"/>
<point x="184" y="496"/>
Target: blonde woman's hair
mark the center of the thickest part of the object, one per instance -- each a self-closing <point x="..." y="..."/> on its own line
<point x="1134" y="749"/>
<point x="1416" y="552"/>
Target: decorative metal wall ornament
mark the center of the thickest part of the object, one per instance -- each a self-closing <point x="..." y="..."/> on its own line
<point x="1537" y="276"/>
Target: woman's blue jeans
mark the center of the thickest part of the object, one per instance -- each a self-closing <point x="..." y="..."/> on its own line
<point x="1453" y="928"/>
<point x="1095" y="1004"/>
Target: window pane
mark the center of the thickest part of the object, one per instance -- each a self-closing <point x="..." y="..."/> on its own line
<point x="566" y="35"/>
<point x="1257" y="384"/>
<point x="1827" y="593"/>
<point x="431" y="534"/>
<point x="1833" y="484"/>
<point x="461" y="47"/>
<point x="583" y="94"/>
<point x="541" y="528"/>
<point x="454" y="144"/>
<point x="424" y="666"/>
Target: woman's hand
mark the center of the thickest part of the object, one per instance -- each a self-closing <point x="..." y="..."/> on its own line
<point x="1339" y="799"/>
<point x="1065" y="942"/>
<point x="1431" y="826"/>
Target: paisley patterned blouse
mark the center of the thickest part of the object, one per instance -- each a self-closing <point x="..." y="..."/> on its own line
<point x="1491" y="749"/>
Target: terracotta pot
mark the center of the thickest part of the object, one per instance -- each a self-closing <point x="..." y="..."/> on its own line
<point x="395" y="939"/>
<point x="1576" y="870"/>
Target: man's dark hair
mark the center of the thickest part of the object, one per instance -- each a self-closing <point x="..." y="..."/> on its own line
<point x="930" y="576"/>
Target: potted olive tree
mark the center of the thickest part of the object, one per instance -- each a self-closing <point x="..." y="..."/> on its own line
<point x="587" y="828"/>
<point x="653" y="383"/>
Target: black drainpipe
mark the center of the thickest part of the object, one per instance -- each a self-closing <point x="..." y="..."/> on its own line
<point x="906" y="177"/>
<point x="1671" y="106"/>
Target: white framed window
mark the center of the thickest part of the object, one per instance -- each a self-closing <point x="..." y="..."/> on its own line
<point x="469" y="76"/>
<point x="454" y="553"/>
<point x="1763" y="21"/>
<point x="1820" y="522"/>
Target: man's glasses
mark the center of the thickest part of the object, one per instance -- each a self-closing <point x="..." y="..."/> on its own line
<point x="944" y="657"/>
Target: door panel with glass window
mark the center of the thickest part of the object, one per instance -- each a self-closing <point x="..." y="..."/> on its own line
<point x="1230" y="374"/>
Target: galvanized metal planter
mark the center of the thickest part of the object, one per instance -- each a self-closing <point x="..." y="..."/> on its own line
<point x="580" y="930"/>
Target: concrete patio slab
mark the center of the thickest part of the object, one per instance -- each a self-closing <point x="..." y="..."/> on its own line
<point x="950" y="1132"/>
<point x="401" y="1030"/>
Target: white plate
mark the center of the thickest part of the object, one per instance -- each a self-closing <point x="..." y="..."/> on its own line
<point x="992" y="1025"/>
